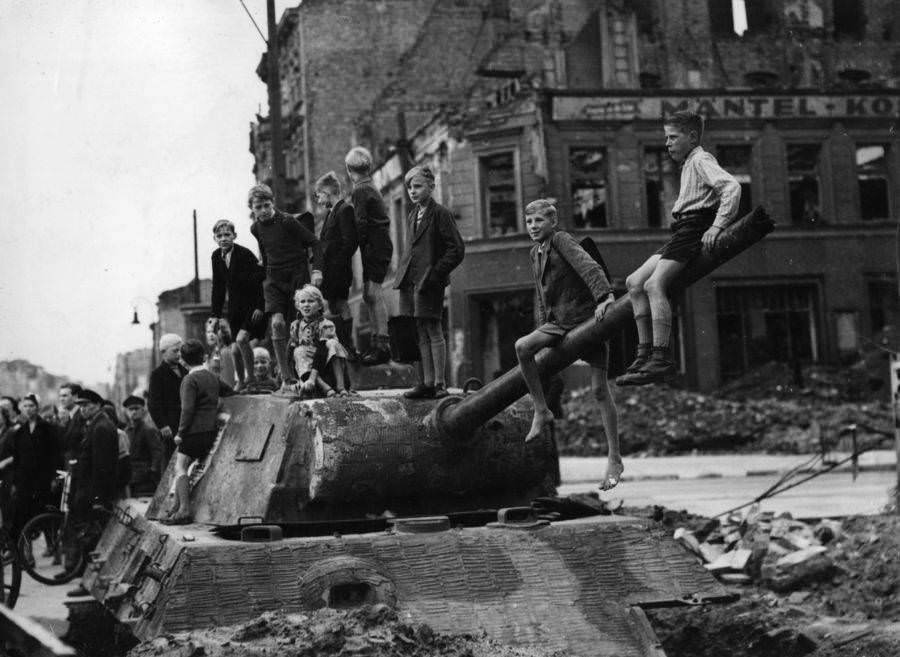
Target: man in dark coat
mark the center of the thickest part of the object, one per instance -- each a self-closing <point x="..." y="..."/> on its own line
<point x="35" y="457"/>
<point x="96" y="481"/>
<point x="72" y="432"/>
<point x="165" y="391"/>
<point x="146" y="448"/>
<point x="236" y="273"/>
<point x="333" y="262"/>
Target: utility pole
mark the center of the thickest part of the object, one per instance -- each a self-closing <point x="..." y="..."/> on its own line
<point x="196" y="281"/>
<point x="273" y="83"/>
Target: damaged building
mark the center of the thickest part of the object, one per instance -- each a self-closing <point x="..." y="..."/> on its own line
<point x="513" y="100"/>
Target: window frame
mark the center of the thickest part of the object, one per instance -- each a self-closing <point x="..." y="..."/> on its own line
<point x="608" y="150"/>
<point x="481" y="188"/>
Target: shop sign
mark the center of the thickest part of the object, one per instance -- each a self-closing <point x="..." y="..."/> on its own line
<point x="630" y="108"/>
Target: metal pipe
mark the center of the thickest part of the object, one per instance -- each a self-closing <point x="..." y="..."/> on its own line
<point x="458" y="417"/>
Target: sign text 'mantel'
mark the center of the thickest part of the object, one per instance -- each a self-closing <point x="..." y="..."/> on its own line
<point x="630" y="108"/>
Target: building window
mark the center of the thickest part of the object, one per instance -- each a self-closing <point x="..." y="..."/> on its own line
<point x="736" y="159"/>
<point x="762" y="323"/>
<point x="761" y="15"/>
<point x="849" y="19"/>
<point x="660" y="184"/>
<point x="498" y="184"/>
<point x="884" y="304"/>
<point x="871" y="173"/>
<point x="803" y="183"/>
<point x="587" y="172"/>
<point x="501" y="318"/>
<point x="721" y="18"/>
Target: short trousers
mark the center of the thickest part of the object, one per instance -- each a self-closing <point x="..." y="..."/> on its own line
<point x="376" y="255"/>
<point x="598" y="356"/>
<point x="278" y="290"/>
<point x="245" y="323"/>
<point x="197" y="445"/>
<point x="422" y="305"/>
<point x="687" y="235"/>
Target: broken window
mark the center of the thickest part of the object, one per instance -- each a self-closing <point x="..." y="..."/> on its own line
<point x="499" y="202"/>
<point x="736" y="160"/>
<point x="884" y="303"/>
<point x="660" y="184"/>
<point x="761" y="15"/>
<point x="587" y="173"/>
<point x="803" y="183"/>
<point x="849" y="19"/>
<point x="762" y="323"/>
<point x="871" y="173"/>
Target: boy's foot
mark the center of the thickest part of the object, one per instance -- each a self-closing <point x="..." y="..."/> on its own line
<point x="657" y="370"/>
<point x="614" y="469"/>
<point x="421" y="391"/>
<point x="541" y="419"/>
<point x="176" y="520"/>
<point x="440" y="391"/>
<point x="641" y="359"/>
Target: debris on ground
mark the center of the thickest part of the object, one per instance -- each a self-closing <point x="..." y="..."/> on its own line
<point x="371" y="631"/>
<point x="823" y="588"/>
<point x="755" y="414"/>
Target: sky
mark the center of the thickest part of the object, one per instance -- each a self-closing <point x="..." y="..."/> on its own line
<point x="118" y="119"/>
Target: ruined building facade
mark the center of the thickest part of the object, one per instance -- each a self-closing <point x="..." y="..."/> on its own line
<point x="514" y="100"/>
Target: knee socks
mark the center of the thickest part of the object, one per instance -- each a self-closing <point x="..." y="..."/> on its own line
<point x="432" y="351"/>
<point x="662" y="321"/>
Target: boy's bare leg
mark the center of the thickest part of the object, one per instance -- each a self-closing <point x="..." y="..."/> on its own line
<point x="609" y="415"/>
<point x="337" y="368"/>
<point x="280" y="347"/>
<point x="245" y="370"/>
<point x="526" y="348"/>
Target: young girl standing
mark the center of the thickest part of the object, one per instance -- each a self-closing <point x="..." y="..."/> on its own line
<point x="434" y="249"/>
<point x="319" y="357"/>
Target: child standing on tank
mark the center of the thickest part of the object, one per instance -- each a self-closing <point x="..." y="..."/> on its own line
<point x="434" y="249"/>
<point x="283" y="243"/>
<point x="374" y="237"/>
<point x="571" y="288"/>
<point x="708" y="201"/>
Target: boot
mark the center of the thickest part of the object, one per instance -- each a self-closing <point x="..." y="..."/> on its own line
<point x="641" y="358"/>
<point x="182" y="514"/>
<point x="658" y="369"/>
<point x="380" y="352"/>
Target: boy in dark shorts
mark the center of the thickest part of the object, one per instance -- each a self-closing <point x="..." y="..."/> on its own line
<point x="571" y="288"/>
<point x="236" y="274"/>
<point x="283" y="243"/>
<point x="333" y="262"/>
<point x="200" y="392"/>
<point x="434" y="249"/>
<point x="707" y="203"/>
<point x="373" y="233"/>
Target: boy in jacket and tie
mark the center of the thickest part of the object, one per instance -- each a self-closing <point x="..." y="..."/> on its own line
<point x="571" y="287"/>
<point x="434" y="249"/>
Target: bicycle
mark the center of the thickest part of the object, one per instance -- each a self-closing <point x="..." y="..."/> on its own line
<point x="10" y="570"/>
<point x="52" y="548"/>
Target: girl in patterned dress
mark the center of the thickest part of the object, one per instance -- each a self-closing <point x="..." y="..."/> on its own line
<point x="320" y="360"/>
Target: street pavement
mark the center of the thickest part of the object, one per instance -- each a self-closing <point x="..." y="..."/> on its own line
<point x="706" y="485"/>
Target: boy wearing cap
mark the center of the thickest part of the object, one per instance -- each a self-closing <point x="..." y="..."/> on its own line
<point x="373" y="233"/>
<point x="145" y="446"/>
<point x="283" y="242"/>
<point x="237" y="275"/>
<point x="165" y="383"/>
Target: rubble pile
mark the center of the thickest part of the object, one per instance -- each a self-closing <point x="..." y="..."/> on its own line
<point x="825" y="589"/>
<point x="371" y="631"/>
<point x="780" y="553"/>
<point x="659" y="420"/>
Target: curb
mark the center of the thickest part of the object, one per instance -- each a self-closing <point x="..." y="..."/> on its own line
<point x="875" y="467"/>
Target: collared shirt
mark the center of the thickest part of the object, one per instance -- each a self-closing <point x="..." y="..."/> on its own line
<point x="704" y="184"/>
<point x="226" y="256"/>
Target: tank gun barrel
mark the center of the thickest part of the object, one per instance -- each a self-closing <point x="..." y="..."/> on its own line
<point x="457" y="418"/>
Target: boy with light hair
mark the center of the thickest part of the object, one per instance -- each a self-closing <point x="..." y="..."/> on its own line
<point x="373" y="233"/>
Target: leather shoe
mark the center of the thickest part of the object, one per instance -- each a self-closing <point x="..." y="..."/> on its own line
<point x="421" y="391"/>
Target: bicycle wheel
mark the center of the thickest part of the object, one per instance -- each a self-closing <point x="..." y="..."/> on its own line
<point x="10" y="570"/>
<point x="46" y="552"/>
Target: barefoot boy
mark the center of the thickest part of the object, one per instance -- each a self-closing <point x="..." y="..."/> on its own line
<point x="571" y="288"/>
<point x="373" y="233"/>
<point x="707" y="202"/>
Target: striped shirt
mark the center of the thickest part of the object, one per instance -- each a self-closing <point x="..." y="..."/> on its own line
<point x="704" y="184"/>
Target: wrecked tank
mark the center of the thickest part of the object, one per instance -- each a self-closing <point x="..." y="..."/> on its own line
<point x="423" y="506"/>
